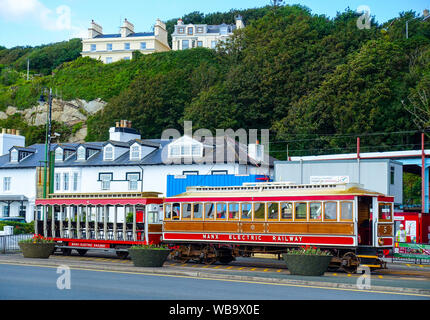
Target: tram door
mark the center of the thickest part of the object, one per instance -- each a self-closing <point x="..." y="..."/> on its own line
<point x="365" y="220"/>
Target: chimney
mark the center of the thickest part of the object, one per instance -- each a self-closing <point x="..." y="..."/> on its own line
<point x="180" y="22"/>
<point x="239" y="22"/>
<point x="425" y="13"/>
<point x="126" y="29"/>
<point x="123" y="132"/>
<point x="95" y="30"/>
<point x="256" y="151"/>
<point x="10" y="138"/>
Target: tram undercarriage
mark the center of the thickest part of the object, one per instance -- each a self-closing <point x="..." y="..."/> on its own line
<point x="345" y="259"/>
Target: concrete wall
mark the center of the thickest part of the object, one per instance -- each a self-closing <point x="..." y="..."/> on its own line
<point x="373" y="174"/>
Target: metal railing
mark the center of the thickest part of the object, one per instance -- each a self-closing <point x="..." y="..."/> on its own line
<point x="9" y="243"/>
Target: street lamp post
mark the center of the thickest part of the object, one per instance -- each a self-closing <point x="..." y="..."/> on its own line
<point x="47" y="135"/>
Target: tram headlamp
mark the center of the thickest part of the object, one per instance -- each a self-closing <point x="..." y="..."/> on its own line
<point x="381" y="241"/>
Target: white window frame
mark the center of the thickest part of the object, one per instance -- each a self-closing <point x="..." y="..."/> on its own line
<point x="135" y="152"/>
<point x="80" y="153"/>
<point x="14" y="155"/>
<point x="105" y="179"/>
<point x="133" y="183"/>
<point x="7" y="181"/>
<point x="66" y="180"/>
<point x="57" y="181"/>
<point x="75" y="181"/>
<point x="59" y="155"/>
<point x="108" y="152"/>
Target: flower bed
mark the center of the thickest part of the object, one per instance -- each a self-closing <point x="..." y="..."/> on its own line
<point x="37" y="247"/>
<point x="307" y="261"/>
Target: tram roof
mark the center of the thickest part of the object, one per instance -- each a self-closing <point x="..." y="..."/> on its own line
<point x="262" y="189"/>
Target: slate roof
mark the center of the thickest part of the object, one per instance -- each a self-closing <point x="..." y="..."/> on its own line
<point x="212" y="151"/>
<point x="131" y="35"/>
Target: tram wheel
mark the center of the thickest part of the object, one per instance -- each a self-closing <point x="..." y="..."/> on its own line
<point x="122" y="254"/>
<point x="209" y="261"/>
<point x="66" y="251"/>
<point x="350" y="262"/>
<point x="82" y="252"/>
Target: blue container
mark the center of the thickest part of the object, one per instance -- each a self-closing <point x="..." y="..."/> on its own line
<point x="178" y="184"/>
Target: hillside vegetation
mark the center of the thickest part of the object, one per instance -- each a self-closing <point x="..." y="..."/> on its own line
<point x="314" y="82"/>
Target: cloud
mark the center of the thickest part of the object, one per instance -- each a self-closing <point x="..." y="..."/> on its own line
<point x="34" y="10"/>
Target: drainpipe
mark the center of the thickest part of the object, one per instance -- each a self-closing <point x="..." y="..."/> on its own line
<point x="358" y="158"/>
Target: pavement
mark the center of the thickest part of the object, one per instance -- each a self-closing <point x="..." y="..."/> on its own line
<point x="398" y="278"/>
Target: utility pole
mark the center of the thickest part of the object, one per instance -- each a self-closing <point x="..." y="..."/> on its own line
<point x="28" y="68"/>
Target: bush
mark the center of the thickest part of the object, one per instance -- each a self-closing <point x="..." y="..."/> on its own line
<point x="19" y="227"/>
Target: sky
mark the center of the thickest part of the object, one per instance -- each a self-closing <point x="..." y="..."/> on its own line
<point x="36" y="22"/>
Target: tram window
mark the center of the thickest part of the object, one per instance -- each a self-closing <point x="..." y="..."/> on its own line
<point x="287" y="211"/>
<point x="209" y="211"/>
<point x="330" y="211"/>
<point x="300" y="211"/>
<point x="186" y="210"/>
<point x="346" y="211"/>
<point x="259" y="210"/>
<point x="168" y="211"/>
<point x="221" y="210"/>
<point x="385" y="212"/>
<point x="197" y="211"/>
<point x="233" y="211"/>
<point x="315" y="210"/>
<point x="246" y="211"/>
<point x="176" y="210"/>
<point x="273" y="210"/>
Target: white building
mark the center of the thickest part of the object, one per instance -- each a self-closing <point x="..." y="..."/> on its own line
<point x="187" y="36"/>
<point x="120" y="46"/>
<point x="124" y="163"/>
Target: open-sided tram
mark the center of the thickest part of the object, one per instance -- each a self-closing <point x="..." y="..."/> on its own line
<point x="210" y="224"/>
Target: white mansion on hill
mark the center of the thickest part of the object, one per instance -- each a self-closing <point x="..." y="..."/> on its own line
<point x="114" y="47"/>
<point x="202" y="35"/>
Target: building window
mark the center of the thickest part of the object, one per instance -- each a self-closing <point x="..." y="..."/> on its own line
<point x="132" y="178"/>
<point x="6" y="211"/>
<point x="75" y="181"/>
<point x="22" y="211"/>
<point x="105" y="179"/>
<point x="199" y="43"/>
<point x="143" y="45"/>
<point x="190" y="173"/>
<point x="14" y="156"/>
<point x="109" y="47"/>
<point x="199" y="30"/>
<point x="213" y="44"/>
<point x="108" y="153"/>
<point x="126" y="58"/>
<point x="127" y="46"/>
<point x="190" y="30"/>
<point x="185" y="44"/>
<point x="65" y="181"/>
<point x="181" y="30"/>
<point x="219" y="172"/>
<point x="6" y="183"/>
<point x="93" y="47"/>
<point x="57" y="182"/>
<point x="392" y="175"/>
<point x="175" y="151"/>
<point x="59" y="154"/>
<point x="109" y="60"/>
<point x="81" y="153"/>
<point x="135" y="153"/>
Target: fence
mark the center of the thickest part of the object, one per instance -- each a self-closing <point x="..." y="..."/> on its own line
<point x="9" y="243"/>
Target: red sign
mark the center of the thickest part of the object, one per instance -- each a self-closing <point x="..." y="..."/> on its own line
<point x="89" y="245"/>
<point x="261" y="238"/>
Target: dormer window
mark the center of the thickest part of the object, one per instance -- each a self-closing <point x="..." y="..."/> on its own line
<point x="81" y="153"/>
<point x="59" y="154"/>
<point x="14" y="156"/>
<point x="186" y="148"/>
<point x="135" y="152"/>
<point x="108" y="154"/>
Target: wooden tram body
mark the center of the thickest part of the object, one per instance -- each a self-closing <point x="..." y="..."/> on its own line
<point x="211" y="224"/>
<point x="90" y="221"/>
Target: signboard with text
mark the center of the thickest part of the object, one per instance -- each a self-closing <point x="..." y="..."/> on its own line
<point x="412" y="250"/>
<point x="329" y="179"/>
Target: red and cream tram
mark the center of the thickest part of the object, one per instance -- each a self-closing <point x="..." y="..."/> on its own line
<point x="114" y="221"/>
<point x="211" y="224"/>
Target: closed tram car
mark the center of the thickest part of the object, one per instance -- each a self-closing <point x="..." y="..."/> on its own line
<point x="209" y="224"/>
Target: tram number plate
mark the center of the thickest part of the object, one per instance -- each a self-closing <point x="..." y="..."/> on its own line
<point x="385" y="230"/>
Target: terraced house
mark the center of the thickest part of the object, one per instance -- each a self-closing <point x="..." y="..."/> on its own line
<point x="124" y="163"/>
<point x="120" y="46"/>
